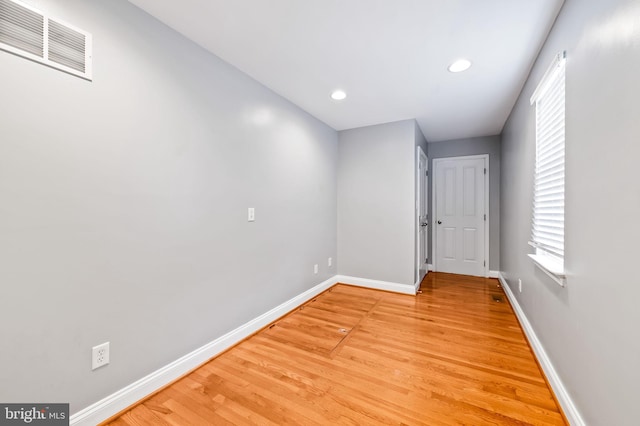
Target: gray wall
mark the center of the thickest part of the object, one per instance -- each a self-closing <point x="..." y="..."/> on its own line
<point x="376" y="198"/>
<point x="590" y="327"/>
<point x="124" y="206"/>
<point x="473" y="146"/>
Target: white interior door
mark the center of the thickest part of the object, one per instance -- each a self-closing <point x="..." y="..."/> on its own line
<point x="423" y="216"/>
<point x="460" y="215"/>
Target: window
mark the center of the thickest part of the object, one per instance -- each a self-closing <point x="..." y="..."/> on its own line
<point x="547" y="230"/>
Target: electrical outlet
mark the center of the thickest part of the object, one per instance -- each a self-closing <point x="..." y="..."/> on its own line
<point x="315" y="268"/>
<point x="329" y="262"/>
<point x="99" y="355"/>
<point x="520" y="285"/>
<point x="251" y="214"/>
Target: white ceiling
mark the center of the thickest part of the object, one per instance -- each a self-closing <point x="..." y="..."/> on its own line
<point x="390" y="56"/>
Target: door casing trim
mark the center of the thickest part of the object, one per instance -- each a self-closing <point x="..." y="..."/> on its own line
<point x="418" y="263"/>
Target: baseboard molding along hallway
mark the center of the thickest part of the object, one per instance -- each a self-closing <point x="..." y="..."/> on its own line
<point x="131" y="394"/>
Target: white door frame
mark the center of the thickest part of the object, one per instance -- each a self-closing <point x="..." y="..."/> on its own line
<point x="434" y="257"/>
<point x="419" y="194"/>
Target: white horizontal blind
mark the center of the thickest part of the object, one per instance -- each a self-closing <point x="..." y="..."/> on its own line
<point x="548" y="199"/>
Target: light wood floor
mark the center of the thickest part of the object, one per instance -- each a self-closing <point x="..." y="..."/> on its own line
<point x="451" y="355"/>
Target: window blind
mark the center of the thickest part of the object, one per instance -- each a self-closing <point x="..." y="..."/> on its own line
<point x="548" y="198"/>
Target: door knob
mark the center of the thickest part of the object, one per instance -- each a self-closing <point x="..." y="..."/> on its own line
<point x="439" y="222"/>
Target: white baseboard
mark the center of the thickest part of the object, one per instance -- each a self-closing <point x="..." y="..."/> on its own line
<point x="569" y="408"/>
<point x="129" y="395"/>
<point x="377" y="285"/>
<point x="138" y="390"/>
<point x="429" y="267"/>
<point x="125" y="397"/>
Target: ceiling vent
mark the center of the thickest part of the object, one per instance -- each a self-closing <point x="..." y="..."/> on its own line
<point x="27" y="32"/>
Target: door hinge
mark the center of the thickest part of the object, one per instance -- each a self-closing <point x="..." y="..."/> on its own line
<point x="485" y="170"/>
<point x="427" y="172"/>
<point x="485" y="217"/>
<point x="484" y="263"/>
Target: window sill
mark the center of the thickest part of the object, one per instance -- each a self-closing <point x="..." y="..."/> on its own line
<point x="554" y="269"/>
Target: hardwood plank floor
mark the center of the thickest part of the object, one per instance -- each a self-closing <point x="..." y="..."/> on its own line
<point x="354" y="356"/>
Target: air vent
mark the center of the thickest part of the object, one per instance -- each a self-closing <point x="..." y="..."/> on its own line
<point x="27" y="32"/>
<point x="21" y="28"/>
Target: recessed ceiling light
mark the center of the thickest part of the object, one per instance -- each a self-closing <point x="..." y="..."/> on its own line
<point x="460" y="65"/>
<point x="338" y="95"/>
